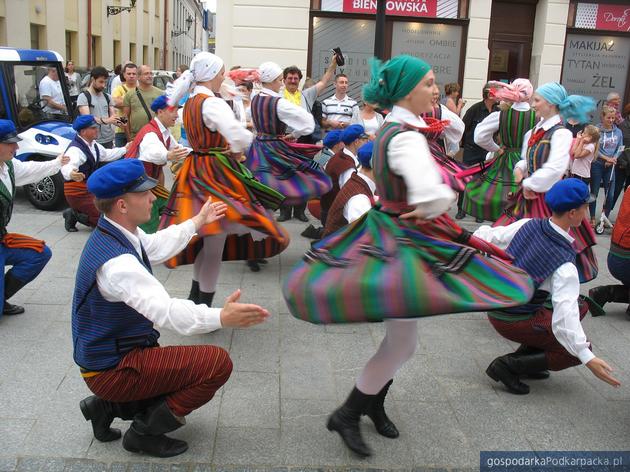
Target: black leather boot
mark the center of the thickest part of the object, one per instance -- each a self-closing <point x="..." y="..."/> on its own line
<point x="70" y="220"/>
<point x="610" y="293"/>
<point x="285" y="213"/>
<point x="376" y="412"/>
<point x="253" y="265"/>
<point x="345" y="420"/>
<point x="146" y="433"/>
<point x="194" y="292"/>
<point x="508" y="368"/>
<point x="543" y="374"/>
<point x="83" y="218"/>
<point x="298" y="212"/>
<point x="11" y="287"/>
<point x="206" y="298"/>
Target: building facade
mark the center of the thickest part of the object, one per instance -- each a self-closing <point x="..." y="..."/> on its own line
<point x="583" y="44"/>
<point x="161" y="33"/>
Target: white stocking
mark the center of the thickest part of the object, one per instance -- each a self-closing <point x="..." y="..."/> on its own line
<point x="397" y="347"/>
<point x="208" y="263"/>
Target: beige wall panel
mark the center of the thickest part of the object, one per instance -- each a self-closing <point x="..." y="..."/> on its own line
<point x="270" y="38"/>
<point x="71" y="14"/>
<point x="274" y="3"/>
<point x="250" y="57"/>
<point x="36" y="11"/>
<point x="274" y="17"/>
<point x="3" y="8"/>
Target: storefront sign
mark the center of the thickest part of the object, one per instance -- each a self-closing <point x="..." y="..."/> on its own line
<point x="603" y="17"/>
<point x="596" y="65"/>
<point x="415" y="8"/>
<point x="439" y="45"/>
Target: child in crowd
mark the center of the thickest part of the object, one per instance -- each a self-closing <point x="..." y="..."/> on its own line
<point x="583" y="152"/>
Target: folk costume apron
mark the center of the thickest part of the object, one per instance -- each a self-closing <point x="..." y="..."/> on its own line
<point x="537" y="154"/>
<point x="381" y="267"/>
<point x="210" y="171"/>
<point x="287" y="167"/>
<point x="487" y="195"/>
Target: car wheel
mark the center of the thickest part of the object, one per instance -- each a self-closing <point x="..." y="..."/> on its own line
<point x="47" y="194"/>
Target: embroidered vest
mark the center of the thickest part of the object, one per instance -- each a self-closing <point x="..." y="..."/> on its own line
<point x="538" y="154"/>
<point x="513" y="125"/>
<point x="102" y="331"/>
<point x="355" y="186"/>
<point x="200" y="137"/>
<point x="6" y="200"/>
<point x="91" y="161"/>
<point x="264" y="110"/>
<point x="152" y="170"/>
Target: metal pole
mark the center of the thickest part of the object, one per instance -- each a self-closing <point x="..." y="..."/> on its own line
<point x="379" y="36"/>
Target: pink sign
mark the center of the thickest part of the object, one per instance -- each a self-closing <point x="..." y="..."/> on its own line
<point x="613" y="17"/>
<point x="394" y="7"/>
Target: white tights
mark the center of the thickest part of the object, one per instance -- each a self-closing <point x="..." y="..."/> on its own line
<point x="397" y="347"/>
<point x="208" y="263"/>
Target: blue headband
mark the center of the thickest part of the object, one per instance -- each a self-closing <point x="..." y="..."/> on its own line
<point x="576" y="107"/>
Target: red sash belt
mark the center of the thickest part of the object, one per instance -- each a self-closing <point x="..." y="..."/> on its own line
<point x="21" y="241"/>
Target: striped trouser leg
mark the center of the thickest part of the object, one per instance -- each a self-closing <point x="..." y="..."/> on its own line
<point x="187" y="376"/>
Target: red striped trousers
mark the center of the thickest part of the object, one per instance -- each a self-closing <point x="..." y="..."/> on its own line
<point x="187" y="376"/>
<point x="82" y="201"/>
<point x="536" y="332"/>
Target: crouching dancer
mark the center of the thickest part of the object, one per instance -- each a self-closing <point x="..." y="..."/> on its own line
<point x="551" y="339"/>
<point x="117" y="302"/>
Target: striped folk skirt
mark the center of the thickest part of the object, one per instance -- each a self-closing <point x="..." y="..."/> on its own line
<point x="584" y="236"/>
<point x="487" y="195"/>
<point x="161" y="198"/>
<point x="381" y="267"/>
<point x="449" y="168"/>
<point x="252" y="232"/>
<point x="288" y="168"/>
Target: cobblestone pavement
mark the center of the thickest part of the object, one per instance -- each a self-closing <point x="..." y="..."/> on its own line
<point x="289" y="375"/>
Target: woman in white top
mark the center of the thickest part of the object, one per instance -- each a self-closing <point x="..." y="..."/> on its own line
<point x="370" y="119"/>
<point x="74" y="81"/>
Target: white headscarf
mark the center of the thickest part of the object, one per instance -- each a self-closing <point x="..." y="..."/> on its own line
<point x="269" y="71"/>
<point x="204" y="66"/>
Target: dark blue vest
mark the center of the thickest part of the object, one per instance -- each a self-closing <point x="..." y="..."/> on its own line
<point x="91" y="162"/>
<point x="539" y="250"/>
<point x="103" y="332"/>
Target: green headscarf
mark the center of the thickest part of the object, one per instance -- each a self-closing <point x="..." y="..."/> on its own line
<point x="394" y="79"/>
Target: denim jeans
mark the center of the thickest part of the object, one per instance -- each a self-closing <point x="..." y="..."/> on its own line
<point x="602" y="175"/>
<point x="120" y="139"/>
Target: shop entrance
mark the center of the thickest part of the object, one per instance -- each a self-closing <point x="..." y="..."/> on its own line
<point x="510" y="39"/>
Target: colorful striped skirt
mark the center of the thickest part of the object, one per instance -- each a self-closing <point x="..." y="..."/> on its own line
<point x="381" y="267"/>
<point x="161" y="198"/>
<point x="487" y="195"/>
<point x="202" y="176"/>
<point x="288" y="168"/>
<point x="584" y="236"/>
<point x="449" y="168"/>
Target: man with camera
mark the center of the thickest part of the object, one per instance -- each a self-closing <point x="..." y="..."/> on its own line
<point x="96" y="102"/>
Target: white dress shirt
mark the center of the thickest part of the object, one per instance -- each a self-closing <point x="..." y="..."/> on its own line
<point x="359" y="204"/>
<point x="125" y="279"/>
<point x="344" y="110"/>
<point x="346" y="174"/>
<point x="297" y="119"/>
<point x="28" y="172"/>
<point x="78" y="158"/>
<point x="151" y="148"/>
<point x="563" y="285"/>
<point x="557" y="162"/>
<point x="409" y="156"/>
<point x="218" y="116"/>
<point x="485" y="131"/>
<point x="454" y="131"/>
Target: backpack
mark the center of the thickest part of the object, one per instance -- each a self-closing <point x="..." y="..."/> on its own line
<point x="88" y="97"/>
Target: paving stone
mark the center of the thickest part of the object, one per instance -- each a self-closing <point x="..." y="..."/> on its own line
<point x="85" y="465"/>
<point x="8" y="464"/>
<point x="248" y="446"/>
<point x="36" y="464"/>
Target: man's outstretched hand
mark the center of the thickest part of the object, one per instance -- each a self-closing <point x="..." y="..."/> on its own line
<point x="209" y="213"/>
<point x="241" y="315"/>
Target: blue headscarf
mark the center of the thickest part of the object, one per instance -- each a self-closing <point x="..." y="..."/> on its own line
<point x="576" y="107"/>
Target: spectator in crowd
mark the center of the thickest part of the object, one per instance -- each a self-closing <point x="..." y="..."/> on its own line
<point x="74" y="81"/>
<point x="622" y="170"/>
<point x="130" y="77"/>
<point x="613" y="100"/>
<point x="316" y="110"/>
<point x="180" y="70"/>
<point x="114" y="80"/>
<point x="51" y="93"/>
<point x="370" y="119"/>
<point x="96" y="102"/>
<point x="245" y="90"/>
<point x="583" y="152"/>
<point x="453" y="102"/>
<point x="340" y="111"/>
<point x="474" y="154"/>
<point x="602" y="169"/>
<point x="574" y="126"/>
<point x="136" y="104"/>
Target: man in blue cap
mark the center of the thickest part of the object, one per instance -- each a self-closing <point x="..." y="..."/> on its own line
<point x="28" y="256"/>
<point x="155" y="147"/>
<point x="551" y="339"/>
<point x="332" y="144"/>
<point x="342" y="165"/>
<point x="86" y="155"/>
<point x="356" y="197"/>
<point x="117" y="306"/>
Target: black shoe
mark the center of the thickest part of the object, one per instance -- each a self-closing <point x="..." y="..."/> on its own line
<point x="70" y="220"/>
<point x="206" y="298"/>
<point x="253" y="265"/>
<point x="376" y="412"/>
<point x="153" y="445"/>
<point x="262" y="261"/>
<point x="460" y="214"/>
<point x="610" y="293"/>
<point x="285" y="213"/>
<point x="500" y="371"/>
<point x="298" y="212"/>
<point x="10" y="309"/>
<point x="345" y="420"/>
<point x="312" y="233"/>
<point x="479" y="220"/>
<point x="194" y="292"/>
<point x="101" y="414"/>
<point x="540" y="375"/>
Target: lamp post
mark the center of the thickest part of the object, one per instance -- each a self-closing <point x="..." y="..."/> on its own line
<point x="111" y="11"/>
<point x="189" y="22"/>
